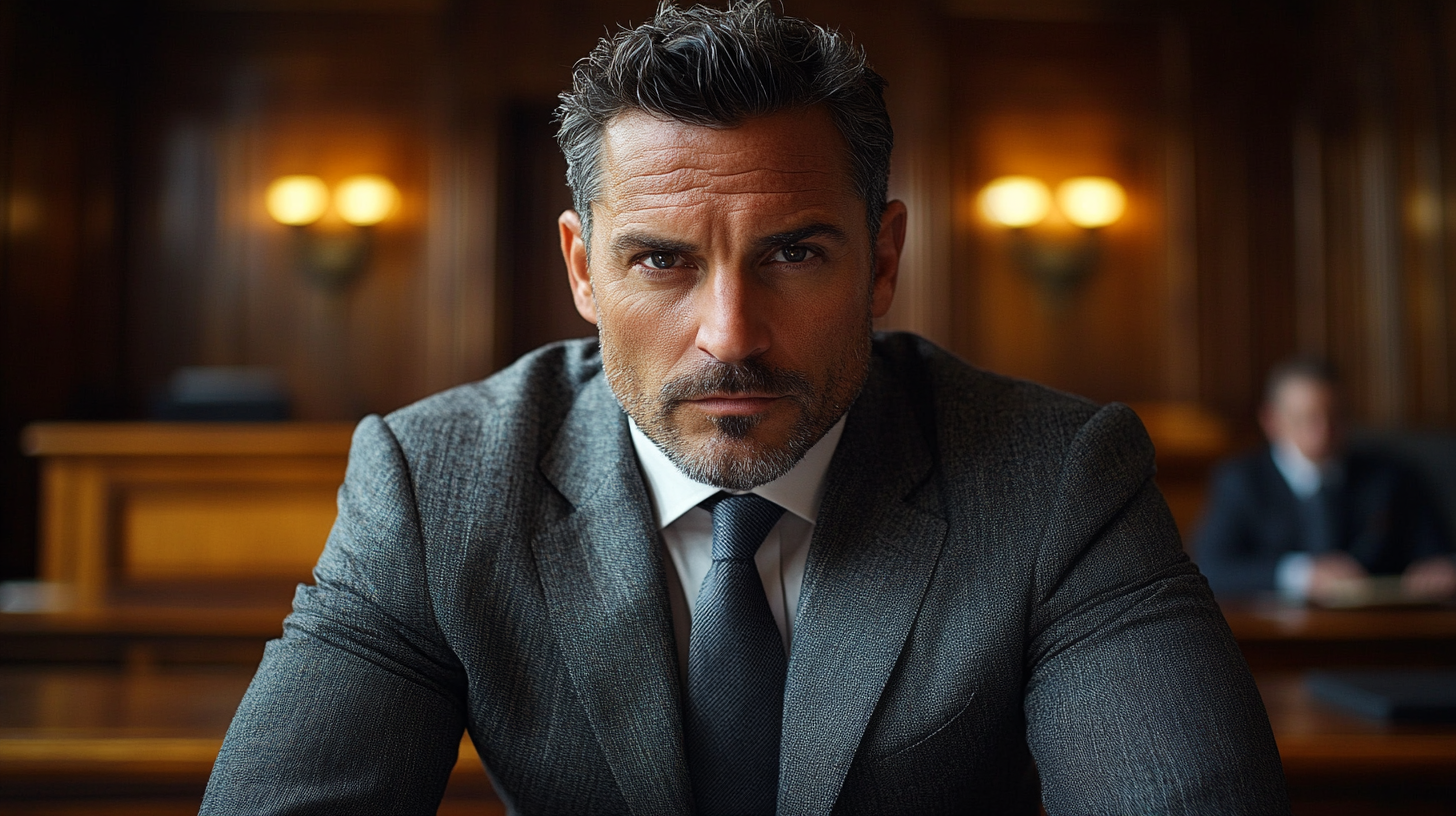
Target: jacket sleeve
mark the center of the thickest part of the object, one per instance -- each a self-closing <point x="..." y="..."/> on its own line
<point x="359" y="707"/>
<point x="1137" y="698"/>
<point x="1424" y="527"/>
<point x="1226" y="546"/>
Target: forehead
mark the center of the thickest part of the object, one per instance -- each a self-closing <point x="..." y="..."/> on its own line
<point x="774" y="164"/>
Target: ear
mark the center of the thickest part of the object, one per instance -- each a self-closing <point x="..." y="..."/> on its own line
<point x="573" y="251"/>
<point x="889" y="244"/>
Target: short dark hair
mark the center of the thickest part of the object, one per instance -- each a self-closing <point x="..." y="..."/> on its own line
<point x="1300" y="367"/>
<point x="718" y="68"/>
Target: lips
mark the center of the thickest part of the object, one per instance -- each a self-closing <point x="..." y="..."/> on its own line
<point x="735" y="404"/>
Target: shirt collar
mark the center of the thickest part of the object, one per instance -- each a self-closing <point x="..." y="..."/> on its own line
<point x="799" y="491"/>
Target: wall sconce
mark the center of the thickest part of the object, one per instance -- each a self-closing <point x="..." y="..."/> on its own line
<point x="331" y="257"/>
<point x="1058" y="266"/>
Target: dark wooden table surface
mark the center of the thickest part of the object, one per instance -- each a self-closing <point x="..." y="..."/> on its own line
<point x="112" y="740"/>
<point x="1275" y="636"/>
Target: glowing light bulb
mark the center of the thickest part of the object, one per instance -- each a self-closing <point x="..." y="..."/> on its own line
<point x="297" y="200"/>
<point x="1091" y="201"/>
<point x="1016" y="201"/>
<point x="365" y="200"/>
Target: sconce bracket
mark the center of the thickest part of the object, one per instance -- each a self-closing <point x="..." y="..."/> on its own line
<point x="332" y="260"/>
<point x="1058" y="267"/>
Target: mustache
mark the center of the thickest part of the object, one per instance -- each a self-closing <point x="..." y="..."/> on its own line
<point x="749" y="376"/>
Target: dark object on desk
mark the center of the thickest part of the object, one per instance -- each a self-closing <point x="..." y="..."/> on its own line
<point x="1423" y="695"/>
<point x="223" y="394"/>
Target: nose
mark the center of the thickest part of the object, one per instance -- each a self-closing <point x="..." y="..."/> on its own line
<point x="732" y="324"/>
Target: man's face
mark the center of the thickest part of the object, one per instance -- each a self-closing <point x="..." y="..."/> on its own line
<point x="1305" y="413"/>
<point x="732" y="281"/>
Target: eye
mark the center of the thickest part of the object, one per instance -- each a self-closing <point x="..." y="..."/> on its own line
<point x="793" y="254"/>
<point x="662" y="260"/>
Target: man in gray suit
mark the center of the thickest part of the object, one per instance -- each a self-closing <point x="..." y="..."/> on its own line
<point x="739" y="555"/>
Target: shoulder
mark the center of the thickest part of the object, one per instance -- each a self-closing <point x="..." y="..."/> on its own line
<point x="1245" y="468"/>
<point x="1019" y="424"/>
<point x="1375" y="461"/>
<point x="1376" y="473"/>
<point x="519" y="407"/>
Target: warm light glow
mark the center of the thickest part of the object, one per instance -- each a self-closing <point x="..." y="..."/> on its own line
<point x="365" y="200"/>
<point x="1091" y="201"/>
<point x="1016" y="201"/>
<point x="297" y="200"/>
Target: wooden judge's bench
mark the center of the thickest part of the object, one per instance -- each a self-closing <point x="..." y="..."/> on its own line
<point x="170" y="553"/>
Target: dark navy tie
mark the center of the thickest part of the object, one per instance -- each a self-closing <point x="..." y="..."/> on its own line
<point x="1317" y="521"/>
<point x="736" y="670"/>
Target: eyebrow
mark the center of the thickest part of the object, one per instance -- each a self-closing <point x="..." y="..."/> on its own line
<point x="819" y="230"/>
<point x="639" y="241"/>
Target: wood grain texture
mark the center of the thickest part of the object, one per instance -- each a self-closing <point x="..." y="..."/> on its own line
<point x="127" y="735"/>
<point x="1273" y="636"/>
<point x="186" y="439"/>
<point x="133" y="739"/>
<point x="128" y="504"/>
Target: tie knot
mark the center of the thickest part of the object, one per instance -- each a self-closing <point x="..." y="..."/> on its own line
<point x="740" y="524"/>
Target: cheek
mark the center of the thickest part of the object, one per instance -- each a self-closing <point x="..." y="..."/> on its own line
<point x="820" y="331"/>
<point x="647" y="331"/>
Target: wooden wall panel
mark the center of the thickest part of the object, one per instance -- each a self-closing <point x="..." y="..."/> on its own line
<point x="1056" y="100"/>
<point x="217" y="281"/>
<point x="1242" y="135"/>
<point x="1287" y="164"/>
<point x="1374" y="135"/>
<point x="534" y="295"/>
<point x="64" y="82"/>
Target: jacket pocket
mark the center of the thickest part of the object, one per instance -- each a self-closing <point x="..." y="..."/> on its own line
<point x="937" y="731"/>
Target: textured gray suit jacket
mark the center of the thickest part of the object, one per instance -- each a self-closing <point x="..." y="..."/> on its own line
<point x="993" y="579"/>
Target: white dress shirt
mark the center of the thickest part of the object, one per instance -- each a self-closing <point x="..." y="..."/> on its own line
<point x="687" y="530"/>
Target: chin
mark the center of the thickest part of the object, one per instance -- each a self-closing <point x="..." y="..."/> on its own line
<point x="734" y="463"/>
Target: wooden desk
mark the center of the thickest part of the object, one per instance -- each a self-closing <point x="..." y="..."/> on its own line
<point x="107" y="740"/>
<point x="1337" y="762"/>
<point x="135" y="505"/>
<point x="175" y="542"/>
<point x="1282" y="637"/>
<point x="1189" y="440"/>
<point x="145" y="634"/>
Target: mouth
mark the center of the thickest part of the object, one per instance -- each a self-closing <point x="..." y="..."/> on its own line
<point x="734" y="404"/>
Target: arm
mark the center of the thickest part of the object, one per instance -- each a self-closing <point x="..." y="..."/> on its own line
<point x="1432" y="571"/>
<point x="1137" y="698"/>
<point x="1423" y="525"/>
<point x="1225" y="545"/>
<point x="360" y="706"/>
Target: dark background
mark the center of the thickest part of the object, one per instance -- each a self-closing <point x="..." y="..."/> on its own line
<point x="1286" y="166"/>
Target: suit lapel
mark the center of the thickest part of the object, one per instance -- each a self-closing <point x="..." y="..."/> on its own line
<point x="876" y="544"/>
<point x="602" y="573"/>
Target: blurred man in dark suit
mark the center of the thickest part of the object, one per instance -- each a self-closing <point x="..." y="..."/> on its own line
<point x="1310" y="519"/>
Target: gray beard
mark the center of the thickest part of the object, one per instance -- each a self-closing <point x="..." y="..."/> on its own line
<point x="719" y="465"/>
<point x="722" y="461"/>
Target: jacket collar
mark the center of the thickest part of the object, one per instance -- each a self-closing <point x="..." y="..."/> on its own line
<point x="878" y="539"/>
<point x="879" y="535"/>
<point x="606" y="594"/>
